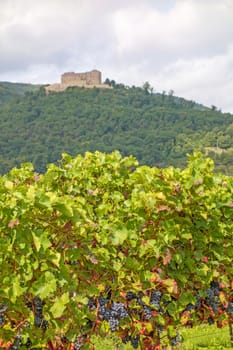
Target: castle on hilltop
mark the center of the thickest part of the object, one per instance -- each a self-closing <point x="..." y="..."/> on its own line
<point x="88" y="80"/>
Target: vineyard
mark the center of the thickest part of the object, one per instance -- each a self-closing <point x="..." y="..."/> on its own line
<point x="99" y="245"/>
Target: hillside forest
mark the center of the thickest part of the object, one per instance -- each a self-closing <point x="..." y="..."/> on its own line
<point x="159" y="129"/>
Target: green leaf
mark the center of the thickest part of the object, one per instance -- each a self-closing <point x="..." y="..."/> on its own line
<point x="16" y="290"/>
<point x="65" y="209"/>
<point x="45" y="285"/>
<point x="172" y="309"/>
<point x="9" y="185"/>
<point x="187" y="298"/>
<point x="36" y="241"/>
<point x="119" y="236"/>
<point x="59" y="305"/>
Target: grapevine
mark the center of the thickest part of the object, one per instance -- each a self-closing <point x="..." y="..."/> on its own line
<point x="99" y="245"/>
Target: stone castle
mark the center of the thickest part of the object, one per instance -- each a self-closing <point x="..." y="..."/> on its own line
<point x="88" y="80"/>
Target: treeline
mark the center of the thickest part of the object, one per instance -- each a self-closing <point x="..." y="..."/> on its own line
<point x="157" y="128"/>
<point x="10" y="91"/>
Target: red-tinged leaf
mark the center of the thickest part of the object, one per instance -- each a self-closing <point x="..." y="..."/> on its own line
<point x="171" y="285"/>
<point x="222" y="298"/>
<point x="198" y="182"/>
<point x="185" y="317"/>
<point x="167" y="258"/>
<point x="148" y="346"/>
<point x="68" y="227"/>
<point x="177" y="189"/>
<point x="162" y="207"/>
<point x="8" y="345"/>
<point x="36" y="177"/>
<point x="93" y="260"/>
<point x="156" y="347"/>
<point x="123" y="295"/>
<point x="51" y="346"/>
<point x="205" y="259"/>
<point x="13" y="223"/>
<point x="221" y="324"/>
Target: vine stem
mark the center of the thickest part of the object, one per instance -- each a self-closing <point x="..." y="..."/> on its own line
<point x="50" y="344"/>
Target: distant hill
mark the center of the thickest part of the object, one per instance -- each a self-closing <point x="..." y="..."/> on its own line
<point x="159" y="129"/>
<point x="10" y="91"/>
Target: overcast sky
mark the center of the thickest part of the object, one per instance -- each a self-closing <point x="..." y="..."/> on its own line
<point x="180" y="45"/>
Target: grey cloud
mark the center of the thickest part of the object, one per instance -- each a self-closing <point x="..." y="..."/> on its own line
<point x="175" y="44"/>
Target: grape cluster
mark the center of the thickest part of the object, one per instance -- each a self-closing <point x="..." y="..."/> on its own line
<point x="91" y="303"/>
<point x="160" y="328"/>
<point x="210" y="320"/>
<point x="78" y="343"/>
<point x="130" y="296"/>
<point x="133" y="340"/>
<point x="155" y="300"/>
<point x="28" y="303"/>
<point x="147" y="312"/>
<point x="176" y="340"/>
<point x="111" y="312"/>
<point x="211" y="302"/>
<point x="229" y="308"/>
<point x="212" y="298"/>
<point x="38" y="311"/>
<point x="3" y="309"/>
<point x="2" y="319"/>
<point x="39" y="320"/>
<point x="16" y="344"/>
<point x="195" y="306"/>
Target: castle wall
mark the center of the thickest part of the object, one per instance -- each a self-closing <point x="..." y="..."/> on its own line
<point x="54" y="88"/>
<point x="81" y="79"/>
<point x="88" y="80"/>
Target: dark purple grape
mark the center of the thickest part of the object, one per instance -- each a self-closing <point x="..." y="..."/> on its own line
<point x="113" y="323"/>
<point x="78" y="343"/>
<point x="2" y="319"/>
<point x="130" y="296"/>
<point x="210" y="320"/>
<point x="229" y="308"/>
<point x="16" y="344"/>
<point x="147" y="312"/>
<point x="135" y="341"/>
<point x="176" y="340"/>
<point x="3" y="308"/>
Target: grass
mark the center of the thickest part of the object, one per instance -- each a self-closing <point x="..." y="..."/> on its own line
<point x="206" y="337"/>
<point x="198" y="338"/>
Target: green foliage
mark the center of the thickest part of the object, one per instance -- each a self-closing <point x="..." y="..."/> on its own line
<point x="101" y="226"/>
<point x="11" y="91"/>
<point x="158" y="129"/>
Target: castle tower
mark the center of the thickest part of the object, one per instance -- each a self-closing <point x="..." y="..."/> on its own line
<point x="95" y="77"/>
<point x="81" y="79"/>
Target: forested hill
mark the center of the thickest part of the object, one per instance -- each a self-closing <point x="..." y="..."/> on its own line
<point x="158" y="129"/>
<point x="10" y="91"/>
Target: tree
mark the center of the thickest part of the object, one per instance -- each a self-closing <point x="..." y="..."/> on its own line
<point x="171" y="92"/>
<point x="147" y="87"/>
<point x="107" y="81"/>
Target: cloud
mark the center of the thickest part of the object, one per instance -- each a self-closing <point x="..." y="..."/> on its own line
<point x="188" y="29"/>
<point x="184" y="45"/>
<point x="59" y="32"/>
<point x="192" y="78"/>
